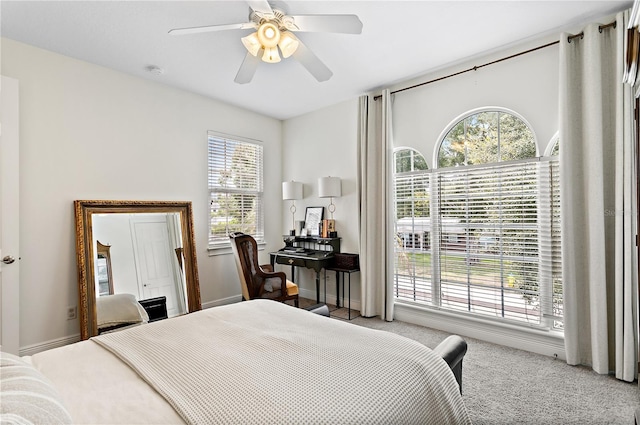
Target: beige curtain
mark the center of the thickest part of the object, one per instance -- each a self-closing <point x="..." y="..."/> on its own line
<point x="374" y="193"/>
<point x="598" y="202"/>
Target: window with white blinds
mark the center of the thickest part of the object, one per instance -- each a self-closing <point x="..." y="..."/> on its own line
<point x="236" y="188"/>
<point x="481" y="239"/>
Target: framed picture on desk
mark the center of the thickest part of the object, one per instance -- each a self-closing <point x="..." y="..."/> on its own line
<point x="312" y="220"/>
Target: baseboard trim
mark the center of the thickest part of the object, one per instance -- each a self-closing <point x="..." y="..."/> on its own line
<point x="222" y="301"/>
<point x="30" y="350"/>
<point x="533" y="340"/>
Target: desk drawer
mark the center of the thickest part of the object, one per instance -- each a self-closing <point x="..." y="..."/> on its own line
<point x="290" y="261"/>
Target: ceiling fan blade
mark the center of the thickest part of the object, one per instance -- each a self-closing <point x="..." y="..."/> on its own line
<point x="210" y="28"/>
<point x="345" y="24"/>
<point x="261" y="7"/>
<point x="248" y="68"/>
<point x="310" y="61"/>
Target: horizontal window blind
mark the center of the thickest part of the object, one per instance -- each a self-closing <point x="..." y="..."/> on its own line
<point x="413" y="272"/>
<point x="236" y="189"/>
<point x="489" y="243"/>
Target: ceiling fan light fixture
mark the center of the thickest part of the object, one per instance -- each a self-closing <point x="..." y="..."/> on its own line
<point x="269" y="35"/>
<point x="288" y="44"/>
<point x="271" y="55"/>
<point x="252" y="43"/>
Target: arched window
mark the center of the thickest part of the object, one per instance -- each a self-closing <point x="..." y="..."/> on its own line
<point x="553" y="148"/>
<point x="408" y="159"/>
<point x="480" y="233"/>
<point x="484" y="137"/>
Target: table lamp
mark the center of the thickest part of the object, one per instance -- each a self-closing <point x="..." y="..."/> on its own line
<point x="329" y="187"/>
<point x="290" y="192"/>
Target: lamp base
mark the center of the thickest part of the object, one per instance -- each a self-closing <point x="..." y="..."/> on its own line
<point x="292" y="232"/>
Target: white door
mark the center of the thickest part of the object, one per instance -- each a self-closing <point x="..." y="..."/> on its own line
<point x="155" y="261"/>
<point x="9" y="216"/>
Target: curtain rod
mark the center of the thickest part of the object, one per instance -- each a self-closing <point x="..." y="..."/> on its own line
<point x="600" y="28"/>
<point x="475" y="68"/>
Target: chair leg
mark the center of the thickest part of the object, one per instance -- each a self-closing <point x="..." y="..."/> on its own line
<point x="295" y="302"/>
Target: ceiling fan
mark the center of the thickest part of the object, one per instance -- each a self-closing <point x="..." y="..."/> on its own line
<point x="274" y="32"/>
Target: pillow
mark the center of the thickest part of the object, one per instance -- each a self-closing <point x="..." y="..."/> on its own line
<point x="118" y="309"/>
<point x="272" y="284"/>
<point x="27" y="396"/>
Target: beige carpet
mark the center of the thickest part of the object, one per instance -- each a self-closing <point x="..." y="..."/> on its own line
<point x="503" y="385"/>
<point x="336" y="313"/>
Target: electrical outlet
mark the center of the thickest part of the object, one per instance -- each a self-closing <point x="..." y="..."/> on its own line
<point x="72" y="313"/>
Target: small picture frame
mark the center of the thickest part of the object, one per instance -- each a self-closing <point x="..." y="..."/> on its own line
<point x="312" y="219"/>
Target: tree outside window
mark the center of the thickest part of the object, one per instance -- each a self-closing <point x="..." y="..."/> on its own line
<point x="236" y="189"/>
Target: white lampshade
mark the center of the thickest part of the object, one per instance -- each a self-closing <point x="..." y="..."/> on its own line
<point x="291" y="190"/>
<point x="252" y="43"/>
<point x="288" y="44"/>
<point x="268" y="34"/>
<point x="329" y="187"/>
<point x="271" y="55"/>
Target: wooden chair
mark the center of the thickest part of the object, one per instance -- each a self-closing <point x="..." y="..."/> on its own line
<point x="259" y="281"/>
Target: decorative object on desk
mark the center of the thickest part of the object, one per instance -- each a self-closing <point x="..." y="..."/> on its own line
<point x="290" y="192"/>
<point x="330" y="187"/>
<point x="299" y="227"/>
<point x="328" y="227"/>
<point x="312" y="220"/>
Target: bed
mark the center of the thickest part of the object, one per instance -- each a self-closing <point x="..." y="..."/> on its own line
<point x="254" y="362"/>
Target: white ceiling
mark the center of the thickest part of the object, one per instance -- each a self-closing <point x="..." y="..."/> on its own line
<point x="400" y="40"/>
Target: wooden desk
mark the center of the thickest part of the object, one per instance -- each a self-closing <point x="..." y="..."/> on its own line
<point x="315" y="260"/>
<point x="317" y="255"/>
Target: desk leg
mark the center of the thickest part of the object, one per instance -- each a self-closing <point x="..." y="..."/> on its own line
<point x="349" y="295"/>
<point x="318" y="287"/>
<point x="293" y="274"/>
<point x="338" y="289"/>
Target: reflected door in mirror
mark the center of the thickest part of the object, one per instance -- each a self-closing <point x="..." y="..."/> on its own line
<point x="159" y="271"/>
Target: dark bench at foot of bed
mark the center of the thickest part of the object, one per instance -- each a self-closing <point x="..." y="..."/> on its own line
<point x="452" y="350"/>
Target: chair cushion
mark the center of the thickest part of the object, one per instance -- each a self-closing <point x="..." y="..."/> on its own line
<point x="292" y="288"/>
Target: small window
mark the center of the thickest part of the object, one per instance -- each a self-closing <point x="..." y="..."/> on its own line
<point x="407" y="160"/>
<point x="236" y="188"/>
<point x="486" y="137"/>
<point x="553" y="148"/>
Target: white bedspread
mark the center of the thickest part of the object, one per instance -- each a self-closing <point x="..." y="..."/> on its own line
<point x="261" y="361"/>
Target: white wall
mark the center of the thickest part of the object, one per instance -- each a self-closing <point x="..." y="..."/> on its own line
<point x="319" y="144"/>
<point x="87" y="132"/>
<point x="527" y="85"/>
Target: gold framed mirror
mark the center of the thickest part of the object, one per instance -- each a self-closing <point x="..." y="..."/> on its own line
<point x="145" y="220"/>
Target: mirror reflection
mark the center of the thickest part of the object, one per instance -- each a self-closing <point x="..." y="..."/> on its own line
<point x="136" y="263"/>
<point x="103" y="270"/>
<point x="143" y="260"/>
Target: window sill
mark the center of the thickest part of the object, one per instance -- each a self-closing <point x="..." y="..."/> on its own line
<point x="549" y="343"/>
<point x="226" y="249"/>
